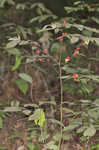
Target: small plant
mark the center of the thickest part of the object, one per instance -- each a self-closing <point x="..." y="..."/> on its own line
<point x="56" y="70"/>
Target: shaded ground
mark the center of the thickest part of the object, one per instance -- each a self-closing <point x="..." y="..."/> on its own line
<point x="20" y="134"/>
<point x="15" y="135"/>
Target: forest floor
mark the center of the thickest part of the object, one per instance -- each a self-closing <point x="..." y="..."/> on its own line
<point x="18" y="133"/>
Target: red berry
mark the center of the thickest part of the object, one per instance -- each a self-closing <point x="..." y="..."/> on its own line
<point x="75" y="52"/>
<point x="64" y="34"/>
<point x="38" y="51"/>
<point x="47" y="59"/>
<point x="35" y="43"/>
<point x="77" y="48"/>
<point x="40" y="59"/>
<point x="60" y="39"/>
<point x="45" y="51"/>
<point x="64" y="23"/>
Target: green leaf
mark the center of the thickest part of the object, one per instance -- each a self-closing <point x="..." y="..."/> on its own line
<point x="74" y="39"/>
<point x="57" y="136"/>
<point x="1" y="123"/>
<point x="21" y="31"/>
<point x="2" y="114"/>
<point x="55" y="47"/>
<point x="66" y="137"/>
<point x="94" y="113"/>
<point x="17" y="62"/>
<point x="12" y="44"/>
<point x="22" y="85"/>
<point x="77" y="121"/>
<point x="20" y="6"/>
<point x="25" y="77"/>
<point x="90" y="131"/>
<point x="73" y="125"/>
<point x="67" y="110"/>
<point x="15" y="103"/>
<point x="2" y="3"/>
<point x="80" y="130"/>
<point x="32" y="146"/>
<point x="26" y="112"/>
<point x="51" y="145"/>
<point x="15" y="135"/>
<point x="41" y="117"/>
<point x="70" y="127"/>
<point x="31" y="105"/>
<point x="95" y="19"/>
<point x="77" y="3"/>
<point x="87" y="42"/>
<point x="33" y="117"/>
<point x="87" y="33"/>
<point x="68" y="70"/>
<point x="44" y="136"/>
<point x="46" y="102"/>
<point x="96" y="102"/>
<point x="12" y="109"/>
<point x="13" y="51"/>
<point x="56" y="122"/>
<point x="95" y="147"/>
<point x="24" y="42"/>
<point x="38" y="117"/>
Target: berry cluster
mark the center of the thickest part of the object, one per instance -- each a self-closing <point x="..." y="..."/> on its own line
<point x="42" y="53"/>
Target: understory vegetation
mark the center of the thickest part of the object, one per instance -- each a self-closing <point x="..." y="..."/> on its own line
<point x="49" y="75"/>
